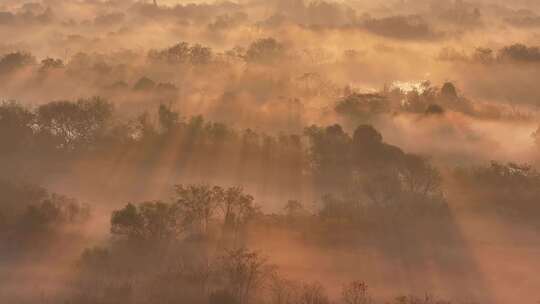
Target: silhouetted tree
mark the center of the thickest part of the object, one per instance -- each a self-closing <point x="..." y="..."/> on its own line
<point x="183" y="53"/>
<point x="15" y="127"/>
<point x="520" y="53"/>
<point x="265" y="51"/>
<point x="449" y="92"/>
<point x="362" y="107"/>
<point x="434" y="109"/>
<point x="150" y="221"/>
<point x="420" y="177"/>
<point x="144" y="84"/>
<point x="48" y="64"/>
<point x="71" y="125"/>
<point x="483" y="55"/>
<point x="198" y="204"/>
<point x="237" y="208"/>
<point x="330" y="155"/>
<point x="167" y="118"/>
<point x="14" y="61"/>
<point x="200" y="55"/>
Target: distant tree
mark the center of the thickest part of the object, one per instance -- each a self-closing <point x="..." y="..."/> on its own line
<point x="40" y="217"/>
<point x="144" y="84"/>
<point x="150" y="221"/>
<point x="237" y="208"/>
<point x="449" y="92"/>
<point x="366" y="167"/>
<point x="183" y="53"/>
<point x="200" y="55"/>
<point x="483" y="55"/>
<point x="330" y="155"/>
<point x="355" y="293"/>
<point x="243" y="272"/>
<point x="434" y="109"/>
<point x="198" y="203"/>
<point x="367" y="135"/>
<point x="31" y="217"/>
<point x="70" y="125"/>
<point x="362" y="107"/>
<point x="420" y="177"/>
<point x="14" y="61"/>
<point x="520" y="53"/>
<point x="509" y="190"/>
<point x="265" y="51"/>
<point x="49" y="64"/>
<point x="167" y="118"/>
<point x="16" y="130"/>
<point x="51" y="213"/>
<point x="371" y="153"/>
<point x="167" y="90"/>
<point x="178" y="53"/>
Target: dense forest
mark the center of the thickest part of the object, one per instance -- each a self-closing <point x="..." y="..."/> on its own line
<point x="272" y="152"/>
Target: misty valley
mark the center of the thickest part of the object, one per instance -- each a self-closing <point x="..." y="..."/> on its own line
<point x="269" y="152"/>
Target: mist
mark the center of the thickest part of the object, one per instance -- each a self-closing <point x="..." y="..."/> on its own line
<point x="280" y="152"/>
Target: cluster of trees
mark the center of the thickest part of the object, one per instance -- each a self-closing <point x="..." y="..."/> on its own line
<point x="109" y="74"/>
<point x="237" y="276"/>
<point x="30" y="216"/>
<point x="264" y="51"/>
<point x="358" y="168"/>
<point x="90" y="128"/>
<point x="433" y="100"/>
<point x="14" y="61"/>
<point x="117" y="76"/>
<point x="189" y="249"/>
<point x="193" y="246"/>
<point x="60" y="126"/>
<point x="426" y="99"/>
<point x="28" y="14"/>
<point x="514" y="53"/>
<point x="182" y="53"/>
<point x="510" y="190"/>
<point x="196" y="210"/>
<point x="364" y="166"/>
<point x="153" y="256"/>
